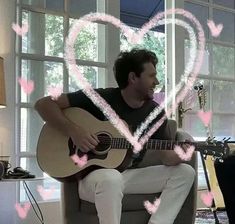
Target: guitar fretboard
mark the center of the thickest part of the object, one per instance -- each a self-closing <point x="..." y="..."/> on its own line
<point x="152" y="144"/>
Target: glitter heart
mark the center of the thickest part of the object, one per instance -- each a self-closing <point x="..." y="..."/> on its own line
<point x="186" y="156"/>
<point x="46" y="194"/>
<point x="207" y="198"/>
<point x="21" y="31"/>
<point x="55" y="92"/>
<point x="192" y="68"/>
<point x="215" y="29"/>
<point x="22" y="210"/>
<point x="80" y="161"/>
<point x="152" y="208"/>
<point x="27" y="86"/>
<point x="205" y="117"/>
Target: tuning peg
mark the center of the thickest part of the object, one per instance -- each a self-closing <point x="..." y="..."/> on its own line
<point x="227" y="139"/>
<point x="221" y="160"/>
<point x="213" y="158"/>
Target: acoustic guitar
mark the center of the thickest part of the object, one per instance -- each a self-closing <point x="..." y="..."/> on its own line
<point x="54" y="150"/>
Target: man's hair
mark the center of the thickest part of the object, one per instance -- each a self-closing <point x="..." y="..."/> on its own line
<point x="132" y="61"/>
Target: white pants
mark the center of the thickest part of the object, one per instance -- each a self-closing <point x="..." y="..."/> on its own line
<point x="105" y="188"/>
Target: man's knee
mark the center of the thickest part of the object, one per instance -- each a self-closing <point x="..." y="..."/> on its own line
<point x="187" y="172"/>
<point x="111" y="180"/>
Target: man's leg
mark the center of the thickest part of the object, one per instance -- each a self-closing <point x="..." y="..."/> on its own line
<point x="174" y="182"/>
<point x="104" y="187"/>
<point x="225" y="173"/>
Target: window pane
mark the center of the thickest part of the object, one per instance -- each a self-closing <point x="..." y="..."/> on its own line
<point x="34" y="40"/>
<point x="228" y="21"/>
<point x="57" y="5"/>
<point x="45" y="35"/>
<point x="54" y="35"/>
<point x="93" y="74"/>
<point x="44" y="75"/>
<point x="90" y="42"/>
<point x="82" y="7"/>
<point x="201" y="13"/>
<point x="31" y="165"/>
<point x="225" y="3"/>
<point x="205" y="68"/>
<point x="193" y="125"/>
<point x="223" y="126"/>
<point x="223" y="61"/>
<point x="53" y="75"/>
<point x="223" y="96"/>
<point x="31" y="124"/>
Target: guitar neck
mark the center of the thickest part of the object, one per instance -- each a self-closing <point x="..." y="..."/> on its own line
<point x="153" y="144"/>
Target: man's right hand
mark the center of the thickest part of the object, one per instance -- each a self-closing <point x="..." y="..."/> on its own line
<point x="83" y="139"/>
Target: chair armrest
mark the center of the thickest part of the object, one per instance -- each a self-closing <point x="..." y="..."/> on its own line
<point x="182" y="135"/>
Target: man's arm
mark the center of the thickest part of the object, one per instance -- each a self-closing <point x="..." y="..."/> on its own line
<point x="51" y="112"/>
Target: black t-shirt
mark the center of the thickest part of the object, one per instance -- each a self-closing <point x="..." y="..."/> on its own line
<point x="132" y="116"/>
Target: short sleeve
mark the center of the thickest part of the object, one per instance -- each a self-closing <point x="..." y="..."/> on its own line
<point x="78" y="99"/>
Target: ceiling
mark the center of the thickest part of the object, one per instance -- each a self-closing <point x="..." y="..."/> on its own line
<point x="135" y="13"/>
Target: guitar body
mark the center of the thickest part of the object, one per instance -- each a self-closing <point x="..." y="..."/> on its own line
<point x="53" y="153"/>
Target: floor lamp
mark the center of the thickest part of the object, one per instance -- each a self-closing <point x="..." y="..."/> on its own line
<point x="2" y="98"/>
<point x="2" y="85"/>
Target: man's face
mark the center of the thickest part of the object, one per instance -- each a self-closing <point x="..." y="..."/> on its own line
<point x="146" y="83"/>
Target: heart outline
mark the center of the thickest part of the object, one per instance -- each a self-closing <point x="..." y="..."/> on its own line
<point x="89" y="91"/>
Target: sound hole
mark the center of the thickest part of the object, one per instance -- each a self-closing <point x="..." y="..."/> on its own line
<point x="105" y="142"/>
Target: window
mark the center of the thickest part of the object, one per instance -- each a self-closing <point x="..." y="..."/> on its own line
<point x="217" y="73"/>
<point x="40" y="59"/>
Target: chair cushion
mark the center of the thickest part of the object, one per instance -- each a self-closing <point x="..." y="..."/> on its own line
<point x="130" y="202"/>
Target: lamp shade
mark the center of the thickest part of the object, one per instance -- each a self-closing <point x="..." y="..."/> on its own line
<point x="2" y="85"/>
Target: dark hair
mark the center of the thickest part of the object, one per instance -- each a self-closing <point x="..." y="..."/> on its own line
<point x="132" y="61"/>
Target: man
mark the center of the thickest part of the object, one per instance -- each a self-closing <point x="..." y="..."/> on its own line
<point x="225" y="173"/>
<point x="135" y="73"/>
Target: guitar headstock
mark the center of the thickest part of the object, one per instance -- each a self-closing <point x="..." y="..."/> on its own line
<point x="217" y="149"/>
<point x="201" y="93"/>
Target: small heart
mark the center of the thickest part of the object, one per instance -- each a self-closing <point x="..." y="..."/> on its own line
<point x="207" y="198"/>
<point x="205" y="117"/>
<point x="22" y="211"/>
<point x="27" y="86"/>
<point x="215" y="29"/>
<point x="152" y="208"/>
<point x="45" y="194"/>
<point x="21" y="31"/>
<point x="55" y="92"/>
<point x="186" y="156"/>
<point x="80" y="161"/>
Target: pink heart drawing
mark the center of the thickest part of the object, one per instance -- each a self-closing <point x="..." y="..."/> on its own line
<point x="86" y="87"/>
<point x="80" y="161"/>
<point x="205" y="117"/>
<point x="152" y="208"/>
<point x="27" y="86"/>
<point x="55" y="92"/>
<point x="21" y="31"/>
<point x="215" y="29"/>
<point x="207" y="198"/>
<point x="22" y="211"/>
<point x="186" y="156"/>
<point x="46" y="194"/>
